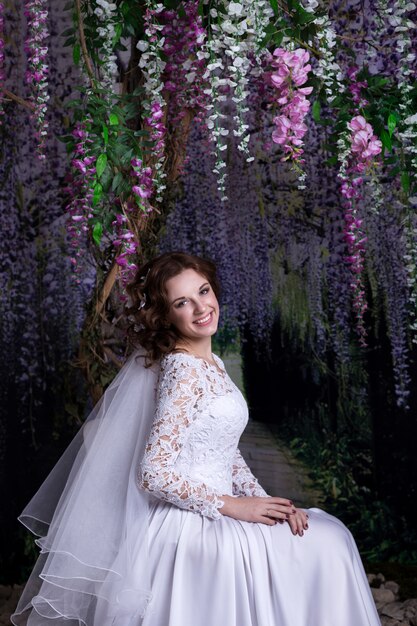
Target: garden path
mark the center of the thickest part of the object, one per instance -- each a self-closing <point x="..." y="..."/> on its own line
<point x="279" y="473"/>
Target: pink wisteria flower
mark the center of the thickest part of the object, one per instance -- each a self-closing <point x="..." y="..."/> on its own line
<point x="143" y="188"/>
<point x="364" y="143"/>
<point x="364" y="147"/>
<point x="355" y="87"/>
<point x="291" y="70"/>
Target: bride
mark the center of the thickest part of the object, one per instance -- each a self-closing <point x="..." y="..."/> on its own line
<point x="153" y="518"/>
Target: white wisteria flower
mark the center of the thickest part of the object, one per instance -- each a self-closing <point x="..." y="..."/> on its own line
<point x="327" y="68"/>
<point x="107" y="16"/>
<point x="231" y="49"/>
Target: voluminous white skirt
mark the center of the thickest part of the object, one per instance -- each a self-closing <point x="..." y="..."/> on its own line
<point x="232" y="573"/>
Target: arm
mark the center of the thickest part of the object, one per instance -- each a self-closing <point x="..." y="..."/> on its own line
<point x="180" y="392"/>
<point x="244" y="482"/>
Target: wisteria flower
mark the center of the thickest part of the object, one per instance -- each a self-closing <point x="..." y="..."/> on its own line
<point x="290" y="72"/>
<point x="36" y="12"/>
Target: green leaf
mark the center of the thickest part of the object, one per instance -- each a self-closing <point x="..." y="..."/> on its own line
<point x="278" y="38"/>
<point x="274" y="5"/>
<point x="392" y="123"/>
<point x="386" y="140"/>
<point x="113" y="119"/>
<point x="316" y="110"/>
<point x="97" y="232"/>
<point x="304" y="17"/>
<point x="405" y="181"/>
<point x="105" y="134"/>
<point x="332" y="160"/>
<point x="98" y="192"/>
<point x="116" y="181"/>
<point x="76" y="53"/>
<point x="394" y="171"/>
<point x="101" y="164"/>
<point x="118" y="33"/>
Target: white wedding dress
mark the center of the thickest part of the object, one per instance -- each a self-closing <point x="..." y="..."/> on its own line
<point x="207" y="569"/>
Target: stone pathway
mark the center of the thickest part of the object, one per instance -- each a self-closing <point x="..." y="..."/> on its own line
<point x="283" y="475"/>
<point x="279" y="473"/>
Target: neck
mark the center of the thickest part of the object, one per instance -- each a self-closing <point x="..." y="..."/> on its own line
<point x="198" y="348"/>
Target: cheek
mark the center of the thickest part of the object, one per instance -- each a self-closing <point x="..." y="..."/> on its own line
<point x="178" y="317"/>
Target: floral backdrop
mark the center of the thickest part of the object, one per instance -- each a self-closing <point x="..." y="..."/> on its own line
<point x="277" y="138"/>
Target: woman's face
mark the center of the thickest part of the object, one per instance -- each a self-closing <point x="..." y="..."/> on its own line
<point x="193" y="306"/>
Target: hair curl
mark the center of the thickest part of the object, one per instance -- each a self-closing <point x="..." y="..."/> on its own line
<point x="149" y="301"/>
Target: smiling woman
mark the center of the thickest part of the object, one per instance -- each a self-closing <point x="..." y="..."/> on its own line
<point x="162" y="522"/>
<point x="195" y="313"/>
<point x="175" y="305"/>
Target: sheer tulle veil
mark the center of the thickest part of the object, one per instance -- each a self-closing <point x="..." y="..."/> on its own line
<point x="89" y="513"/>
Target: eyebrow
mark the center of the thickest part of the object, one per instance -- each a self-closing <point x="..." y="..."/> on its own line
<point x="184" y="297"/>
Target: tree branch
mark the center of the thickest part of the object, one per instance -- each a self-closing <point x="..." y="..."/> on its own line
<point x="86" y="57"/>
<point x="107" y="287"/>
<point x="24" y="103"/>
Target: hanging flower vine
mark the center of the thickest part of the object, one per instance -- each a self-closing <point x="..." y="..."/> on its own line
<point x="79" y="208"/>
<point x="2" y="68"/>
<point x="290" y="72"/>
<point x="362" y="147"/>
<point x="152" y="67"/>
<point x="36" y="12"/>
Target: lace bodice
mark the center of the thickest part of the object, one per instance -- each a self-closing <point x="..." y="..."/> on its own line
<point x="191" y="458"/>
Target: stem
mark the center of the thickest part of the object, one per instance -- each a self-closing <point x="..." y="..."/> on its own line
<point x="106" y="289"/>
<point x="86" y="57"/>
<point x="19" y="100"/>
<point x="360" y="40"/>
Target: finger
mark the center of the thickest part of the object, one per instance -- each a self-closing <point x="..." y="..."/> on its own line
<point x="300" y="524"/>
<point x="304" y="517"/>
<point x="267" y="520"/>
<point x="282" y="501"/>
<point x="285" y="510"/>
<point x="279" y="515"/>
<point x="293" y="525"/>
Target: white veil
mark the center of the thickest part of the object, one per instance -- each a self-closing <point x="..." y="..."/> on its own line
<point x="89" y="513"/>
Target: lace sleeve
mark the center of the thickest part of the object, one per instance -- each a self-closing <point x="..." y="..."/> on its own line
<point x="244" y="482"/>
<point x="180" y="391"/>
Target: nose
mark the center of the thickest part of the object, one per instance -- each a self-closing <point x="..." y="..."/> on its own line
<point x="199" y="306"/>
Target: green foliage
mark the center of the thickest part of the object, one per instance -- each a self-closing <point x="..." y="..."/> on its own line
<point x="341" y="468"/>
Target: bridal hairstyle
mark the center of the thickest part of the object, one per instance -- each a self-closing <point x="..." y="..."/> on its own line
<point x="149" y="303"/>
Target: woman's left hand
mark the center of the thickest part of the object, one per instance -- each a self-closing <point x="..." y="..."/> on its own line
<point x="298" y="522"/>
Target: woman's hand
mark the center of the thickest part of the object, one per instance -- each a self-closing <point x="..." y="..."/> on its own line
<point x="258" y="509"/>
<point x="265" y="510"/>
<point x="298" y="522"/>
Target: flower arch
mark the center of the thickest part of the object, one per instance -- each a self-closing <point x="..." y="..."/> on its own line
<point x="253" y="75"/>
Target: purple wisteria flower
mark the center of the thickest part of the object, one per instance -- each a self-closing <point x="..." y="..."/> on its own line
<point x="36" y="12"/>
<point x="79" y="208"/>
<point x="184" y="71"/>
<point x="2" y="69"/>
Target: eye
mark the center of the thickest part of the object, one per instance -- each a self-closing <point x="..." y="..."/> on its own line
<point x="177" y="306"/>
<point x="205" y="290"/>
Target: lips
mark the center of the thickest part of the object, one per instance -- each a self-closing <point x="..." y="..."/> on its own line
<point x="204" y="321"/>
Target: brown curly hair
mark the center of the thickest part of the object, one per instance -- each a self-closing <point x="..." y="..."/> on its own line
<point x="150" y="307"/>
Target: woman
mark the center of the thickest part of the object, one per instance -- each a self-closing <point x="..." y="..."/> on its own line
<point x="161" y="522"/>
